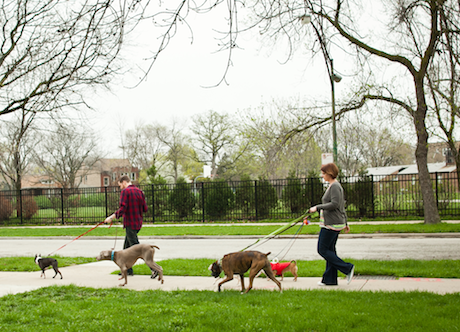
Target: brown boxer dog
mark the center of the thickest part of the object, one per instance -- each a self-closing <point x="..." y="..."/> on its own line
<point x="239" y="263"/>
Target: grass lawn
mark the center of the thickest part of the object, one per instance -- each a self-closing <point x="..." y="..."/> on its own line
<point x="27" y="264"/>
<point x="314" y="268"/>
<point x="72" y="308"/>
<point x="220" y="230"/>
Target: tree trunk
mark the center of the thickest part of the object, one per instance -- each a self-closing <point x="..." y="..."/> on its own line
<point x="431" y="213"/>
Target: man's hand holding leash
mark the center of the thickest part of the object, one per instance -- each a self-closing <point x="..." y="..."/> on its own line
<point x="110" y="218"/>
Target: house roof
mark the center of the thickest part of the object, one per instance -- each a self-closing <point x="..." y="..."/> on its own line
<point x="432" y="168"/>
<point x="410" y="169"/>
<point x="388" y="170"/>
<point x="108" y="164"/>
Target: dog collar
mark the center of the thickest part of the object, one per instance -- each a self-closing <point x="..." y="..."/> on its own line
<point x="113" y="254"/>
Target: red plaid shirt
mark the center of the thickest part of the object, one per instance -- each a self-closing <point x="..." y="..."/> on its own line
<point x="132" y="205"/>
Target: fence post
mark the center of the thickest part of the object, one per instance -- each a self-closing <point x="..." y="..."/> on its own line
<point x="20" y="203"/>
<point x="312" y="192"/>
<point x="153" y="204"/>
<point x="255" y="199"/>
<point x="202" y="202"/>
<point x="373" y="201"/>
<point x="436" y="181"/>
<point x="106" y="203"/>
<point x="62" y="206"/>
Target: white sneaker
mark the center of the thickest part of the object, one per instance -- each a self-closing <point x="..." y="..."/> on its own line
<point x="350" y="275"/>
<point x="321" y="283"/>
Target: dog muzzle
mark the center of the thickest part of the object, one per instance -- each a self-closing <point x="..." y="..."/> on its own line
<point x="213" y="268"/>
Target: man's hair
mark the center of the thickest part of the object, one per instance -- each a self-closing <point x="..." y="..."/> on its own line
<point x="124" y="178"/>
<point x="330" y="169"/>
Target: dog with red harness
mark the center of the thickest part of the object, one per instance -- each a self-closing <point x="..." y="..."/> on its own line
<point x="280" y="268"/>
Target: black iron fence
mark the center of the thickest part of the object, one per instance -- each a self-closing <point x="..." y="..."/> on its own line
<point x="387" y="196"/>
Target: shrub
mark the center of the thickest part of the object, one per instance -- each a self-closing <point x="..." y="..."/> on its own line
<point x="6" y="209"/>
<point x="244" y="197"/>
<point x="360" y="194"/>
<point x="266" y="198"/>
<point x="294" y="195"/>
<point x="29" y="207"/>
<point x="182" y="199"/>
<point x="218" y="198"/>
<point x="314" y="190"/>
<point x="156" y="197"/>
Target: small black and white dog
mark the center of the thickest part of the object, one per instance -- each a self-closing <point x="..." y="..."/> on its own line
<point x="43" y="263"/>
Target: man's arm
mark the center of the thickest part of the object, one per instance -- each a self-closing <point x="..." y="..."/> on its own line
<point x="121" y="211"/>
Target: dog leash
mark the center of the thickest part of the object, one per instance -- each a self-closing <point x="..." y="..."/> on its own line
<point x="79" y="237"/>
<point x="291" y="243"/>
<point x="279" y="231"/>
<point x="116" y="236"/>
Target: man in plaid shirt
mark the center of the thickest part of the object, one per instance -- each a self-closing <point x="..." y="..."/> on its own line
<point x="132" y="206"/>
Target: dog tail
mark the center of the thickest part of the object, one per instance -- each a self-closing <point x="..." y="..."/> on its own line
<point x="155" y="247"/>
<point x="268" y="253"/>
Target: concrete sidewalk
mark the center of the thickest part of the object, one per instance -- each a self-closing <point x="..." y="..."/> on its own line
<point x="98" y="275"/>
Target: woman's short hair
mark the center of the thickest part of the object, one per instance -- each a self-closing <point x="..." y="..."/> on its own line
<point x="330" y="169"/>
<point x="124" y="178"/>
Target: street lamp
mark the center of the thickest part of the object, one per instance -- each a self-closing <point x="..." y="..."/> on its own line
<point x="333" y="77"/>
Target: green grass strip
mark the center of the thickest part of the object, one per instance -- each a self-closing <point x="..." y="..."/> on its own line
<point x="219" y="230"/>
<point x="314" y="268"/>
<point x="27" y="264"/>
<point x="71" y="308"/>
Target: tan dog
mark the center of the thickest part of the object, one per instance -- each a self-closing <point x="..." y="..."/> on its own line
<point x="125" y="259"/>
<point x="240" y="263"/>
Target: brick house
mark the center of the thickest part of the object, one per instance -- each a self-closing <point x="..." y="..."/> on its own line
<point x="106" y="172"/>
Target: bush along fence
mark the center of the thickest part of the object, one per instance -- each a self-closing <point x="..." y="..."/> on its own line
<point x="367" y="197"/>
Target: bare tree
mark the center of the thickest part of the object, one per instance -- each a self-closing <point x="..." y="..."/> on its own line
<point x="16" y="148"/>
<point x="67" y="156"/>
<point x="143" y="146"/>
<point x="174" y="139"/>
<point x="214" y="133"/>
<point x="52" y="51"/>
<point x="443" y="81"/>
<point x="266" y="129"/>
<point x="410" y="41"/>
<point x="364" y="145"/>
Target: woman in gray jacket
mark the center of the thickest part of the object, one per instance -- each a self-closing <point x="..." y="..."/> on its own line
<point x="333" y="219"/>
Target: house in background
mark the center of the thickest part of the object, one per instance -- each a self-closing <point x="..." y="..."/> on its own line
<point x="440" y="152"/>
<point x="106" y="172"/>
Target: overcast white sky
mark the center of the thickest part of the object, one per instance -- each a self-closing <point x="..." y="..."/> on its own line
<point x="175" y="86"/>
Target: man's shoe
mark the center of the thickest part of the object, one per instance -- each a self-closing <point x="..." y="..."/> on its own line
<point x="154" y="275"/>
<point x="321" y="283"/>
<point x="350" y="275"/>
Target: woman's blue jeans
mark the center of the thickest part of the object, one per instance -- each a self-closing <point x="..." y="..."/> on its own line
<point x="326" y="248"/>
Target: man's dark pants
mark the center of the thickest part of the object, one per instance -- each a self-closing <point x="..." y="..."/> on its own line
<point x="130" y="240"/>
<point x="326" y="248"/>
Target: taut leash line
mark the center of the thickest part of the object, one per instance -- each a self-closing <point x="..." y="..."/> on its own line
<point x="79" y="237"/>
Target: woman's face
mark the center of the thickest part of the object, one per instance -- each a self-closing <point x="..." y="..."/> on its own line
<point x="326" y="176"/>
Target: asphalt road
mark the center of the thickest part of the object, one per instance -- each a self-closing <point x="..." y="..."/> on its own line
<point x="385" y="247"/>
